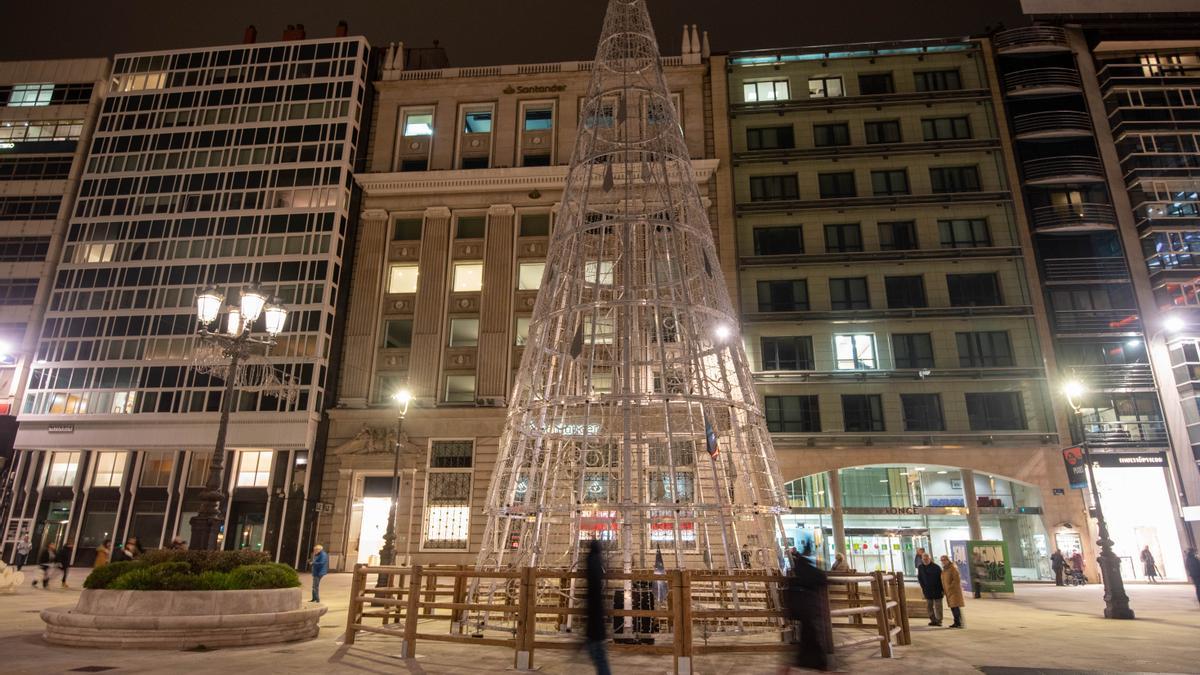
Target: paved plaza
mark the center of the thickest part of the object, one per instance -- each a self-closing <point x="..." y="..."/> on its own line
<point x="1041" y="628"/>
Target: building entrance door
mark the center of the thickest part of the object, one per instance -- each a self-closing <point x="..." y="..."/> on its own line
<point x="870" y="549"/>
<point x="372" y="526"/>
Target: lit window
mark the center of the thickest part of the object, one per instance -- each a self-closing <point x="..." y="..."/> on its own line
<point x="418" y="124"/>
<point x="773" y="90"/>
<point x="110" y="469"/>
<point x="460" y="388"/>
<point x="464" y="332"/>
<point x="141" y="82"/>
<point x="448" y="495"/>
<point x="539" y="119"/>
<point x="63" y="466"/>
<point x="855" y="352"/>
<point x="529" y="276"/>
<point x="825" y="87"/>
<point x="402" y="279"/>
<point x="522" y="330"/>
<point x="156" y="469"/>
<point x="95" y="253"/>
<point x="477" y="122"/>
<point x="28" y="95"/>
<point x="254" y="468"/>
<point x="468" y="277"/>
<point x="598" y="272"/>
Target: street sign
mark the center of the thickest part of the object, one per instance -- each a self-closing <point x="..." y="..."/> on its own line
<point x="1076" y="468"/>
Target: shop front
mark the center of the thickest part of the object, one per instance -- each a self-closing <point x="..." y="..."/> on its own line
<point x="1135" y="494"/>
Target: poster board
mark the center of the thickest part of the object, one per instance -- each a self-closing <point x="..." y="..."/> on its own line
<point x="984" y="562"/>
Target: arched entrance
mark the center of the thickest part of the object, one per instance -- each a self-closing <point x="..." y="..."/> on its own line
<point x="884" y="513"/>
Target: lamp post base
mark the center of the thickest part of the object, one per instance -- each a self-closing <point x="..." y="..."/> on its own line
<point x="205" y="530"/>
<point x="1116" y="601"/>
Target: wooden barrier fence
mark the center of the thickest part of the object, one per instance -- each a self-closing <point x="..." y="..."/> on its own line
<point x="869" y="609"/>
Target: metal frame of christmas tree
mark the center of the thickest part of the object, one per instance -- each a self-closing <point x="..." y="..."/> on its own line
<point x="633" y="418"/>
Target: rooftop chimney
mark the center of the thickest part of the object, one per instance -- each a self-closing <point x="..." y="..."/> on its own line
<point x="250" y="36"/>
<point x="295" y="32"/>
<point x="343" y="29"/>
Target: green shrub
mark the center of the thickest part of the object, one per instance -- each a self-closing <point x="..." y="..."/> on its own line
<point x="270" y="575"/>
<point x="161" y="577"/>
<point x="102" y="577"/>
<point x="213" y="580"/>
<point x="205" y="561"/>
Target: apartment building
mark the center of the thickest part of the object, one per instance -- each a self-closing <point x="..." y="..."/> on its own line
<point x="890" y="303"/>
<point x="47" y="112"/>
<point x="222" y="166"/>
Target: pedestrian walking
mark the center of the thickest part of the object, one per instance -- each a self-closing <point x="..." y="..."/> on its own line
<point x="805" y="604"/>
<point x="839" y="564"/>
<point x="1058" y="563"/>
<point x="48" y="560"/>
<point x="952" y="588"/>
<point x="64" y="561"/>
<point x="320" y="567"/>
<point x="1077" y="562"/>
<point x="1192" y="565"/>
<point x="596" y="630"/>
<point x="919" y="558"/>
<point x="23" y="548"/>
<point x="1148" y="566"/>
<point x="929" y="576"/>
<point x="103" y="554"/>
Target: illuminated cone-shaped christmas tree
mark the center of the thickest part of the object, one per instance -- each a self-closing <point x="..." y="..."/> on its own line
<point x="633" y="418"/>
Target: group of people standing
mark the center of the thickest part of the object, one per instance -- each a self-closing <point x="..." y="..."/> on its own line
<point x="940" y="582"/>
<point x="57" y="560"/>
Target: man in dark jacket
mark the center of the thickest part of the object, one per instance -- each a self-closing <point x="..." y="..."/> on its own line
<point x="929" y="575"/>
<point x="597" y="632"/>
<point x="1058" y="563"/>
<point x="806" y="602"/>
<point x="48" y="560"/>
<point x="1191" y="564"/>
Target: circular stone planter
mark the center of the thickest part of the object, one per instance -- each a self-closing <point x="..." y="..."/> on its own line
<point x="182" y="619"/>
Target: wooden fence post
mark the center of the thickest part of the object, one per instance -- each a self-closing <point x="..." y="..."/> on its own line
<point x="460" y="596"/>
<point x="354" y="611"/>
<point x="902" y="617"/>
<point x="881" y="616"/>
<point x="680" y="600"/>
<point x="526" y="618"/>
<point x="408" y="647"/>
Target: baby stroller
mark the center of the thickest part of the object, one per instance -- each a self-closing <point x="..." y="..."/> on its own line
<point x="1074" y="577"/>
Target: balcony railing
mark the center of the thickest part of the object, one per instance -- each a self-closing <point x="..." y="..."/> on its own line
<point x="1097" y="321"/>
<point x="1042" y="82"/>
<point x="1031" y="40"/>
<point x="1086" y="269"/>
<point x="1067" y="217"/>
<point x="1125" y="434"/>
<point x="1052" y="124"/>
<point x="1119" y="75"/>
<point x="1115" y="377"/>
<point x="1068" y="169"/>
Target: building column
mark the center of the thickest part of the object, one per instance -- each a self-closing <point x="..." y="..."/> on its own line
<point x="838" y="520"/>
<point x="367" y="283"/>
<point x="431" y="305"/>
<point x="495" y="312"/>
<point x="972" y="503"/>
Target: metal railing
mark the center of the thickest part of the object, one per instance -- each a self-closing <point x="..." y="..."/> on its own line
<point x="1116" y="377"/>
<point x="1064" y="216"/>
<point x="1143" y="74"/>
<point x="1125" y="434"/>
<point x="1031" y="39"/>
<point x="1086" y="269"/>
<point x="1097" y="321"/>
<point x="1052" y="123"/>
<point x="1042" y="81"/>
<point x="1067" y="169"/>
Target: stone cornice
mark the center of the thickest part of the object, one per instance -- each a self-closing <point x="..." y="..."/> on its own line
<point x="485" y="180"/>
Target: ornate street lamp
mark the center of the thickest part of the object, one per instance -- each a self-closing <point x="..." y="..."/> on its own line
<point x="1116" y="602"/>
<point x="387" y="553"/>
<point x="235" y="343"/>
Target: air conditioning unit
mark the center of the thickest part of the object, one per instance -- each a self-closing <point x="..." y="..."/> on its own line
<point x="489" y="402"/>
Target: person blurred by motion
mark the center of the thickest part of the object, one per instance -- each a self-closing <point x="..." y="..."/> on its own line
<point x="839" y="563"/>
<point x="1058" y="563"/>
<point x="596" y="630"/>
<point x="320" y="567"/>
<point x="64" y="561"/>
<point x="806" y="604"/>
<point x="1191" y="564"/>
<point x="23" y="548"/>
<point x="48" y="560"/>
<point x="1149" y="566"/>
<point x="130" y="551"/>
<point x="103" y="554"/>
<point x="952" y="589"/>
<point x="929" y="575"/>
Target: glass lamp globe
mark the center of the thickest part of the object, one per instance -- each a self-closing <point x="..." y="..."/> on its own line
<point x="252" y="304"/>
<point x="275" y="316"/>
<point x="208" y="305"/>
<point x="233" y="323"/>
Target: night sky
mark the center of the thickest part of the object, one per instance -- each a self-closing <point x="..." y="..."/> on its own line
<point x="478" y="32"/>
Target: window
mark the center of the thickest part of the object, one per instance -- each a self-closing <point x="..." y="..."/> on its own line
<point x="63" y="467"/>
<point x="45" y="130"/>
<point x="199" y="469"/>
<point x="937" y="80"/>
<point x="834" y="185"/>
<point x="521" y="331"/>
<point x="985" y="349"/>
<point x="905" y="292"/>
<point x="448" y="495"/>
<point x="770" y="90"/>
<point x="965" y="233"/>
<point x="598" y="272"/>
<point x="995" y="411"/>
<point x="954" y="179"/>
<point x="470" y="227"/>
<point x="831" y="134"/>
<point x="110" y="469"/>
<point x="890" y="182"/>
<point x="156" y="469"/>
<point x="386" y="386"/>
<point x="848" y="294"/>
<point x="529" y="275"/>
<point x="875" y="83"/>
<point x="468" y="277"/>
<point x="460" y="388"/>
<point x="884" y="131"/>
<point x="464" y="332"/>
<point x="397" y="333"/>
<point x="862" y="412"/>
<point x="418" y="124"/>
<point x="787" y="353"/>
<point x="825" y="87"/>
<point x="898" y="236"/>
<point x="912" y="350"/>
<point x="769" y="188"/>
<point x="407" y="229"/>
<point x="402" y="279"/>
<point x="535" y="224"/>
<point x="922" y="412"/>
<point x="974" y="290"/>
<point x="792" y="414"/>
<point x="783" y="296"/>
<point x="946" y="128"/>
<point x="254" y="468"/>
<point x="855" y="351"/>
<point x="843" y="238"/>
<point x="539" y="118"/>
<point x="788" y="239"/>
<point x="770" y="138"/>
<point x="29" y="95"/>
<point x="17" y="291"/>
<point x="477" y="122"/>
